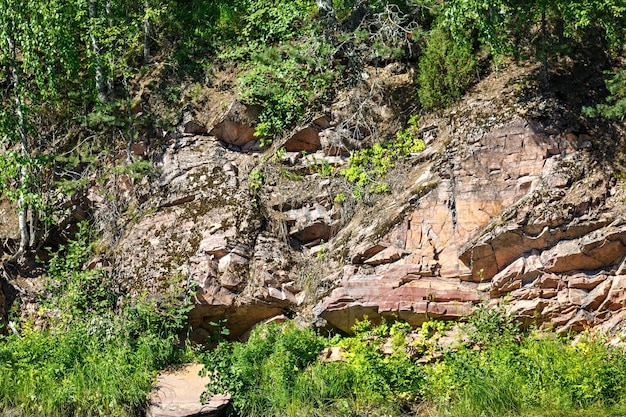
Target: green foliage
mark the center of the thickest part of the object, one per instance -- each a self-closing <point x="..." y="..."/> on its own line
<point x="259" y="24"/>
<point x="285" y="81"/>
<point x="256" y="181"/>
<point x="541" y="375"/>
<point x="136" y="169"/>
<point x="340" y="198"/>
<point x="29" y="187"/>
<point x="498" y="372"/>
<point x="320" y="166"/>
<point x="260" y="373"/>
<point x="615" y="106"/>
<point x="76" y="292"/>
<point x="488" y="326"/>
<point x="389" y="381"/>
<point x="276" y="373"/>
<point x="367" y="166"/>
<point x="426" y="344"/>
<point x="446" y="69"/>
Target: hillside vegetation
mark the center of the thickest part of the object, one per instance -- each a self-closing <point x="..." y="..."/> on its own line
<point x="83" y="82"/>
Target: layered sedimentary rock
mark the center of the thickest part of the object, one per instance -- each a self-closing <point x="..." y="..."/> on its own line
<point x="503" y="206"/>
<point x="511" y="211"/>
<point x="200" y="228"/>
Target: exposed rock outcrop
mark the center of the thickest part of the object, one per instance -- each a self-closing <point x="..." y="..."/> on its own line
<point x="237" y="125"/>
<point x="502" y="204"/>
<point x="200" y="226"/>
<point x="514" y="208"/>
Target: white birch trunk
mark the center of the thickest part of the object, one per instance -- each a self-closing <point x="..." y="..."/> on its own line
<point x="147" y="34"/>
<point x="101" y="86"/>
<point x="21" y="127"/>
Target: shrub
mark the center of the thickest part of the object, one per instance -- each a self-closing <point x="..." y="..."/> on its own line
<point x="446" y="69"/>
<point x="367" y="166"/>
<point x="285" y="81"/>
<point x="542" y="375"/>
<point x="615" y="106"/>
<point x="276" y="373"/>
<point x="260" y="373"/>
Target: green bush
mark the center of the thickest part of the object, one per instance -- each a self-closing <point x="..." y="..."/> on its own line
<point x="498" y="371"/>
<point x="260" y="374"/>
<point x="93" y="368"/>
<point x="367" y="166"/>
<point x="446" y="69"/>
<point x="615" y="106"/>
<point x="543" y="375"/>
<point x="285" y="81"/>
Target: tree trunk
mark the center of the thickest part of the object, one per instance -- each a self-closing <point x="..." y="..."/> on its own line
<point x="544" y="50"/>
<point x="21" y="128"/>
<point x="34" y="228"/>
<point x="329" y="20"/>
<point x="358" y="13"/>
<point x="101" y="86"/>
<point x="147" y="34"/>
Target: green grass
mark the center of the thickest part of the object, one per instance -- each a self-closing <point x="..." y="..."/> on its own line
<point x="277" y="373"/>
<point x="502" y="374"/>
<point x="85" y="371"/>
<point x="94" y="359"/>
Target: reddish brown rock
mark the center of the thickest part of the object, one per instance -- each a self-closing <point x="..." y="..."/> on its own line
<point x="586" y="282"/>
<point x="308" y="138"/>
<point x="386" y="256"/>
<point x="588" y="253"/>
<point x="237" y="125"/>
<point x="210" y="240"/>
<point x="616" y="298"/>
<point x="399" y="291"/>
<point x="576" y="296"/>
<point x="560" y="315"/>
<point x="503" y="245"/>
<point x="452" y="310"/>
<point x="508" y="279"/>
<point x="529" y="309"/>
<point x="549" y="281"/>
<point x="193" y="127"/>
<point x="597" y="295"/>
<point x="495" y="201"/>
<point x="529" y="293"/>
<point x="582" y="320"/>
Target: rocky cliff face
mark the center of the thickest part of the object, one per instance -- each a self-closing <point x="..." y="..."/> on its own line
<point x="510" y="203"/>
<point x="522" y="213"/>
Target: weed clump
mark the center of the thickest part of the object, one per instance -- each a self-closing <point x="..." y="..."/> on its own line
<point x="367" y="167"/>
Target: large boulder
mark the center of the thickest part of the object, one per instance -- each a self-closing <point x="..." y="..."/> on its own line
<point x="178" y="392"/>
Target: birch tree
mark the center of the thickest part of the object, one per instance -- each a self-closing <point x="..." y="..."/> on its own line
<point x="37" y="63"/>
